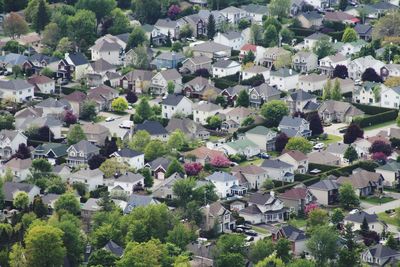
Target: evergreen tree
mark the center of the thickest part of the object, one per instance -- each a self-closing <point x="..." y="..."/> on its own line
<point x="392" y="243"/>
<point x="343" y="4"/>
<point x="336" y="93"/>
<point x="243" y="99"/>
<point x="351" y="154"/>
<point x="364" y="227"/>
<point x="326" y="91"/>
<point x="211" y="27"/>
<point x="270" y="36"/>
<point x="315" y="124"/>
<point x="42" y="18"/>
<point x="168" y="42"/>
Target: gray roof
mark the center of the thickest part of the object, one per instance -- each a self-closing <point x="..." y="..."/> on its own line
<point x="325" y="185"/>
<point x="53" y="103"/>
<point x="210" y="47"/>
<point x="312" y="15"/>
<point x="136" y="200"/>
<point x="106" y="45"/>
<point x="362" y="28"/>
<point x="231" y="35"/>
<point x="311" y="106"/>
<point x="292" y="233"/>
<point x="284" y="72"/>
<point x="102" y="65"/>
<point x="9" y="188"/>
<point x="235" y="90"/>
<point x="86" y="147"/>
<point x="291" y="121"/>
<point x="317" y="36"/>
<point x="358" y="217"/>
<point x="130" y="177"/>
<point x="207" y="106"/>
<point x="337" y="148"/>
<point x="221" y="177"/>
<point x="114" y="248"/>
<point x="166" y="23"/>
<point x="380" y="251"/>
<point x="172" y="100"/>
<point x="223" y="63"/>
<point x="152" y="127"/>
<point x="275" y="164"/>
<point x="13" y="59"/>
<point x="10" y="134"/>
<point x="301" y="95"/>
<point x="186" y="125"/>
<point x="15" y="85"/>
<point x="163" y="162"/>
<point x="128" y="153"/>
<point x="171" y="56"/>
<point x="78" y="58"/>
<point x="257" y="9"/>
<point x="170" y="74"/>
<point x="266" y="90"/>
<point x="92" y="204"/>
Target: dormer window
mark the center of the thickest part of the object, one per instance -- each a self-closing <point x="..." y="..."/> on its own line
<point x="72" y="153"/>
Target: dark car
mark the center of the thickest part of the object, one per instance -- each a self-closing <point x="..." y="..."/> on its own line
<point x="343" y="130"/>
<point x="251" y="233"/>
<point x="242" y="226"/>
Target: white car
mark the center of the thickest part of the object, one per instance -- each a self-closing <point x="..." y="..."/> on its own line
<point x="319" y="146"/>
<point x="109" y="119"/>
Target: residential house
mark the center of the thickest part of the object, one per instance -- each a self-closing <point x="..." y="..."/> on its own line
<point x="225" y="67"/>
<point x="210" y="49"/>
<point x="133" y="159"/>
<point x="312" y="82"/>
<point x="63" y="170"/>
<point x="132" y="57"/>
<point x="329" y="63"/>
<point x="10" y="141"/>
<point x="263" y="137"/>
<point x="358" y="218"/>
<point x="217" y="218"/>
<point x="304" y="61"/>
<point x="76" y="100"/>
<point x="137" y="81"/>
<point x="20" y="168"/>
<point x="366" y="93"/>
<point x="159" y="82"/>
<point x="11" y="190"/>
<point x="264" y="208"/>
<point x="258" y="52"/>
<point x="278" y="170"/>
<point x="310" y="19"/>
<point x="297" y="100"/>
<point x="168" y="27"/>
<point x="296" y="199"/>
<point x="338" y="149"/>
<point x="96" y="133"/>
<point x="196" y="23"/>
<point x="272" y="54"/>
<point x="256" y="12"/>
<point x="337" y="111"/>
<point x="231" y="93"/>
<point x="92" y="179"/>
<point x="202" y="155"/>
<point x="158" y="167"/>
<point x="99" y="68"/>
<point x="10" y="60"/>
<point x="53" y="107"/>
<point x="296" y="6"/>
<point x="154" y="128"/>
<point x="311" y="40"/>
<point x="362" y="145"/>
<point x="167" y="60"/>
<point x="126" y="184"/>
<point x="176" y="105"/>
<point x="364" y="182"/>
<point x="53" y="124"/>
<point x="203" y="110"/>
<point x="191" y="129"/>
<point x="284" y="79"/>
<point x="242" y="146"/>
<point x="351" y="48"/>
<point x="341" y="17"/>
<point x="154" y="34"/>
<point x="234" y="14"/>
<point x="164" y="190"/>
<point x="81" y="153"/>
<point x="234" y="39"/>
<point x="252" y="71"/>
<point x="295" y="236"/>
<point x="324" y="158"/>
<point x="346" y="85"/>
<point x="294" y="126"/>
<point x="390" y="97"/>
<point x="109" y="48"/>
<point x="73" y="66"/>
<point x="223" y="182"/>
<point x="252" y="176"/>
<point x="325" y="191"/>
<point x="390" y="172"/>
<point x="103" y="96"/>
<point x="42" y="84"/>
<point x="200" y="88"/>
<point x="390" y="70"/>
<point x="357" y="67"/>
<point x="218" y="16"/>
<point x="364" y="31"/>
<point x="137" y="200"/>
<point x="380" y="255"/>
<point x="239" y="114"/>
<point x="297" y="159"/>
<point x="17" y="90"/>
<point x="38" y="61"/>
<point x="52" y="152"/>
<point x="263" y="93"/>
<point x="192" y="64"/>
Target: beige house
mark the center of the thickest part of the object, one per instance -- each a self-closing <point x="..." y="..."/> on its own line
<point x="215" y="215"/>
<point x="96" y="133"/>
<point x="296" y="158"/>
<point x="358" y="218"/>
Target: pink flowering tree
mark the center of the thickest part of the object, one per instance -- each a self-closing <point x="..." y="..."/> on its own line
<point x="310" y="207"/>
<point x="220" y="161"/>
<point x="173" y="11"/>
<point x="193" y="169"/>
<point x="379" y="156"/>
<point x="70" y="117"/>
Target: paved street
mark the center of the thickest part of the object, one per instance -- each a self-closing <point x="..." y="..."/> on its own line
<point x="376" y="131"/>
<point x="113" y="126"/>
<point x="386" y="206"/>
<point x="334" y="128"/>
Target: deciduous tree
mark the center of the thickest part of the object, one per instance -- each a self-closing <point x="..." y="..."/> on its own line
<point x="67" y="202"/>
<point x="347" y="197"/>
<point x="349" y="35"/>
<point x="113" y="166"/>
<point x="174" y="167"/>
<point x="75" y="134"/>
<point x="352" y="133"/>
<point x="340" y="71"/>
<point x="273" y="111"/>
<point x="23" y="152"/>
<point x="119" y="104"/>
<point x="14" y="25"/>
<point x="140" y="140"/>
<point x="281" y="141"/>
<point x="21" y="200"/>
<point x="323" y="245"/>
<point x="300" y="144"/>
<point x="371" y="76"/>
<point x="154" y="149"/>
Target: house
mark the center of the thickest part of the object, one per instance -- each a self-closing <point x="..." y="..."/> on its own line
<point x="217" y="218"/>
<point x="167" y="60"/>
<point x="357" y="67"/>
<point x="338" y="149"/>
<point x="25" y="114"/>
<point x="103" y="96"/>
<point x="312" y="82"/>
<point x="52" y="123"/>
<point x="294" y="126"/>
<point x="81" y="152"/>
<point x="76" y="100"/>
<point x="225" y="67"/>
<point x="73" y="66"/>
<point x="365" y="93"/>
<point x="96" y="133"/>
<point x="10" y="141"/>
<point x="101" y="67"/>
<point x="219" y="18"/>
<point x="53" y="152"/>
<point x="132" y="57"/>
<point x="137" y="81"/>
<point x="192" y="64"/>
<point x="203" y="110"/>
<point x="390" y="172"/>
<point x="341" y="17"/>
<point x="168" y="27"/>
<point x="272" y="54"/>
<point x="242" y="146"/>
<point x="136" y="200"/>
<point x="10" y="60"/>
<point x="11" y="190"/>
<point x="310" y="19"/>
<point x="264" y="208"/>
<point x="115" y="249"/>
<point x="234" y="14"/>
<point x="295" y="236"/>
<point x="311" y="40"/>
<point x="251" y="175"/>
<point x="234" y="39"/>
<point x="17" y="90"/>
<point x="164" y="190"/>
<point x="154" y="128"/>
<point x="284" y="79"/>
<point x="364" y="182"/>
<point x="223" y="183"/>
<point x="63" y="170"/>
<point x="357" y="219"/>
<point x="362" y="145"/>
<point x="278" y="170"/>
<point x="263" y="137"/>
<point x="159" y="82"/>
<point x="256" y="12"/>
<point x="53" y="107"/>
<point x="109" y="48"/>
<point x="296" y="199"/>
<point x="90" y="178"/>
<point x="352" y="47"/>
<point x="329" y="63"/>
<point x="380" y="255"/>
<point x="202" y="155"/>
<point x="196" y="23"/>
<point x="239" y="114"/>
<point x="191" y="129"/>
<point x="176" y="105"/>
<point x="230" y="94"/>
<point x="324" y="158"/>
<point x="390" y="70"/>
<point x="297" y="159"/>
<point x="89" y="208"/>
<point x="304" y="61"/>
<point x="126" y="184"/>
<point x="337" y="111"/>
<point x="158" y="167"/>
<point x="154" y="34"/>
<point x="296" y="6"/>
<point x="325" y="191"/>
<point x="200" y="88"/>
<point x="258" y="52"/>
<point x="263" y="93"/>
<point x="42" y="84"/>
<point x="297" y="100"/>
<point x="210" y="49"/>
<point x="390" y="97"/>
<point x="252" y="71"/>
<point x="20" y="168"/>
<point x="133" y="159"/>
<point x="36" y="62"/>
<point x="364" y="31"/>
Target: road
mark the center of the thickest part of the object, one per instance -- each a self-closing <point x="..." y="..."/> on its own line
<point x="334" y="128"/>
<point x="113" y="126"/>
<point x="381" y="208"/>
<point x="374" y="132"/>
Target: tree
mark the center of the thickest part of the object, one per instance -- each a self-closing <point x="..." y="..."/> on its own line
<point x="88" y="110"/>
<point x="154" y="149"/>
<point x="67" y="202"/>
<point x="110" y="146"/>
<point x="102" y="257"/>
<point x="381" y="146"/>
<point x="81" y="28"/>
<point x="7" y="122"/>
<point x="301" y="263"/>
<point x="287" y="35"/>
<point x="315" y="124"/>
<point x="120" y="22"/>
<point x="41" y="165"/>
<point x="273" y="111"/>
<point x="181" y="235"/>
<point x="101" y="8"/>
<point x="220" y="161"/>
<point x="392" y="81"/>
<point x="69" y="117"/>
<point x="271" y="260"/>
<point x="75" y="135"/>
<point x="64" y="46"/>
<point x="174" y="167"/>
<point x="255" y="34"/>
<point x="177" y="140"/>
<point x="140" y="140"/>
<point x="349" y="35"/>
<point x="42" y="16"/>
<point x="348" y="255"/>
<point x="112" y="166"/>
<point x="392" y="243"/>
<point x="141" y="61"/>
<point x="249" y="57"/>
<point x="279" y="8"/>
<point x="131" y="97"/>
<point x="17" y="256"/>
<point x="281" y="141"/>
<point x="183" y="190"/>
<point x="387" y="26"/>
<point x="173" y="11"/>
<point x="186" y="31"/>
<point x="136" y="38"/>
<point x="23" y="152"/>
<point x="260" y="249"/>
<point x="96" y="161"/>
<point x="283" y="249"/>
<point x="340" y="71"/>
<point x="343" y="4"/>
<point x="147" y="11"/>
<point x="364" y="228"/>
<point x="243" y="99"/>
<point x="14" y="25"/>
<point x="148" y="179"/>
<point x="211" y="27"/>
<point x="352" y="133"/>
<point x="324" y="47"/>
<point x="347" y="197"/>
<point x="351" y="154"/>
<point x="230" y="250"/>
<point x="300" y="144"/>
<point x="336" y="93"/>
<point x="337" y="216"/>
<point x="327" y="90"/>
<point x="270" y="36"/>
<point x="144" y="109"/>
<point x="119" y="104"/>
<point x="177" y="47"/>
<point x="316" y="218"/>
<point x="21" y="200"/>
<point x="371" y="76"/>
<point x="323" y="245"/>
<point x="214" y="122"/>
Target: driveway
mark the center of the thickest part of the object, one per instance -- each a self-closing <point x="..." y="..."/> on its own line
<point x="113" y="126"/>
<point x="334" y="128"/>
<point x="383" y="207"/>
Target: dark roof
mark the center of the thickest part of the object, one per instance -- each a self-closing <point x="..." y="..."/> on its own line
<point x="301" y="95"/>
<point x="136" y="200"/>
<point x="381" y="251"/>
<point x="325" y="185"/>
<point x="9" y="188"/>
<point x="86" y="147"/>
<point x="277" y="163"/>
<point x="291" y="121"/>
<point x="128" y="153"/>
<point x="358" y="217"/>
<point x="114" y="248"/>
<point x="251" y="209"/>
<point x="58" y="149"/>
<point x="164" y="162"/>
<point x="172" y="100"/>
<point x="292" y="233"/>
<point x="362" y="28"/>
<point x="78" y="58"/>
<point x="152" y="127"/>
<point x="259" y="198"/>
<point x="295" y="193"/>
<point x="312" y="15"/>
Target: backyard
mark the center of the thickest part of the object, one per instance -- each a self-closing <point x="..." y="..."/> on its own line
<point x="389" y="218"/>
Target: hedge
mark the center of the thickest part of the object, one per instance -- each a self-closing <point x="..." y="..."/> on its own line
<point x="371" y="110"/>
<point x="376" y="119"/>
<point x="322" y="167"/>
<point x="302" y="32"/>
<point x="188" y="77"/>
<point x="299" y="177"/>
<point x="336" y="35"/>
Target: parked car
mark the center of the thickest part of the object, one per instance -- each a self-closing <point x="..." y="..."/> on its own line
<point x="343" y="130"/>
<point x="126" y="124"/>
<point x="109" y="119"/>
<point x="263" y="155"/>
<point x="319" y="146"/>
<point x="242" y="226"/>
<point x="251" y="232"/>
<point x="249" y="238"/>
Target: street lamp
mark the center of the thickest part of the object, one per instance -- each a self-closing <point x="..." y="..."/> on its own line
<point x="390" y="51"/>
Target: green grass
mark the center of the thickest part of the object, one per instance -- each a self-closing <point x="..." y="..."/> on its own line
<point x="298" y="223"/>
<point x="98" y="119"/>
<point x="332" y="139"/>
<point x="254" y="162"/>
<point x="260" y="230"/>
<point x="214" y="138"/>
<point x="387" y="218"/>
<point x="376" y="200"/>
<point x="377" y="126"/>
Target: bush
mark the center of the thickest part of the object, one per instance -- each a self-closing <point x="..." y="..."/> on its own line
<point x="301" y="31"/>
<point x="376" y="119"/>
<point x="322" y="167"/>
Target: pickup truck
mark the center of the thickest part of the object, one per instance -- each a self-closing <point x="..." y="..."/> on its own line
<point x="126" y="124"/>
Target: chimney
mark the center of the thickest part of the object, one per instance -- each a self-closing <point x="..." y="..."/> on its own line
<point x="290" y="71"/>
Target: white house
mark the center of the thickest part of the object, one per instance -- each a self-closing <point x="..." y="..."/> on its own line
<point x="75" y="63"/>
<point x="233" y="39"/>
<point x="225" y="67"/>
<point x="390" y="97"/>
<point x="203" y="110"/>
<point x="279" y="170"/>
<point x="254" y="70"/>
<point x="366" y="94"/>
<point x="312" y="82"/>
<point x="176" y="105"/>
<point x="372" y="219"/>
<point x="127" y="183"/>
<point x="159" y="83"/>
<point x="256" y="12"/>
<point x="263" y="137"/>
<point x="109" y="48"/>
<point x="234" y="14"/>
<point x="168" y="27"/>
<point x="351" y="48"/>
<point x="305" y="61"/>
<point x="11" y="189"/>
<point x="328" y="63"/>
<point x="20" y="168"/>
<point x="17" y="90"/>
<point x="284" y="79"/>
<point x="242" y="146"/>
<point x="311" y="41"/>
<point x="317" y="3"/>
<point x="133" y="158"/>
<point x="223" y="182"/>
<point x="10" y="141"/>
<point x="91" y="178"/>
<point x="297" y="159"/>
<point x="357" y="67"/>
<point x="43" y="84"/>
<point x="380" y="255"/>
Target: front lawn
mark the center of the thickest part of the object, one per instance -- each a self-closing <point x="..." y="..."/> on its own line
<point x="332" y="139"/>
<point x="298" y="223"/>
<point x="99" y="118"/>
<point x="260" y="230"/>
<point x="376" y="200"/>
<point x="388" y="218"/>
<point x="256" y="161"/>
